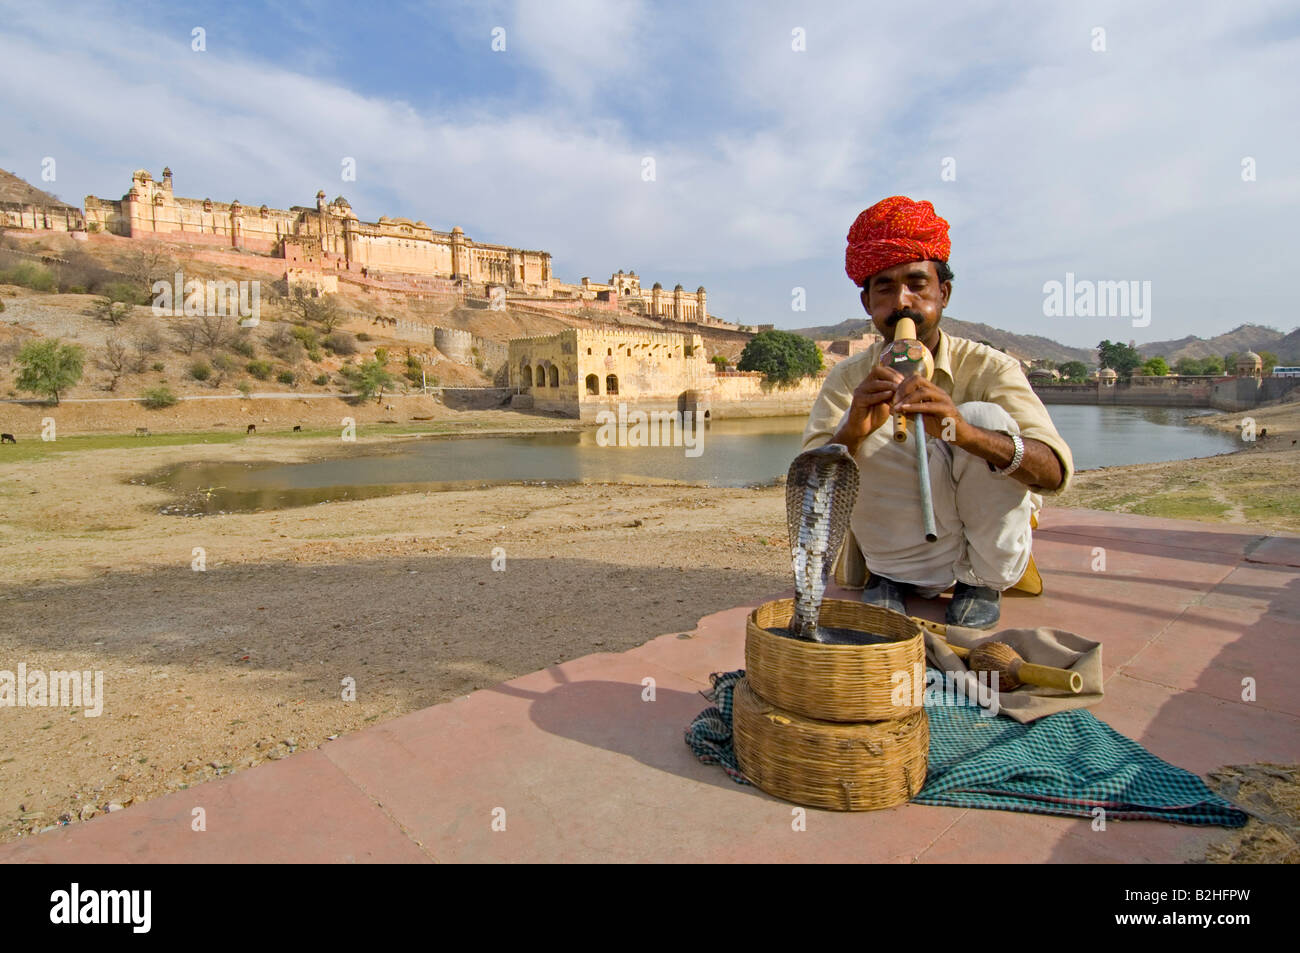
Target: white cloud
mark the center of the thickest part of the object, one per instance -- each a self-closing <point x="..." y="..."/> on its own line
<point x="1123" y="164"/>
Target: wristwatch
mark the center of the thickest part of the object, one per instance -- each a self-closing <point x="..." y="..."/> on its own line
<point x="1016" y="458"/>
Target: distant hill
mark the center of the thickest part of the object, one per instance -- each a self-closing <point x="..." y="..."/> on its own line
<point x="18" y="192"/>
<point x="1288" y="348"/>
<point x="1023" y="346"/>
<point x="1246" y="337"/>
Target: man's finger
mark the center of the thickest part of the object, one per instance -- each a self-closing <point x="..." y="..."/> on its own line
<point x="924" y="407"/>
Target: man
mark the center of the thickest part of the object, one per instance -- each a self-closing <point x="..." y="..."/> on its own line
<point x="993" y="448"/>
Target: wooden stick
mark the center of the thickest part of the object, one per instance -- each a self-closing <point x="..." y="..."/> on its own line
<point x="1044" y="676"/>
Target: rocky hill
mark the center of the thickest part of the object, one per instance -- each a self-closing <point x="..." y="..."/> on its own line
<point x="16" y="191"/>
<point x="1245" y="337"/>
<point x="1023" y="346"/>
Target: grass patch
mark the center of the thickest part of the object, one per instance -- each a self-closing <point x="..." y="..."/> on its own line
<point x="1271" y="504"/>
<point x="1184" y="505"/>
<point x="28" y="450"/>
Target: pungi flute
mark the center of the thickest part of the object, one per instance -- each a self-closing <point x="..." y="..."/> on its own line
<point x="909" y="356"/>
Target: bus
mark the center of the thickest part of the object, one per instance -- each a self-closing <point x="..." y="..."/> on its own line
<point x="1286" y="372"/>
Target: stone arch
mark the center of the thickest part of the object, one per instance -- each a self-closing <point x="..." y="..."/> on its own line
<point x="611" y="384"/>
<point x="526" y="373"/>
<point x="541" y="376"/>
<point x="593" y="385"/>
<point x="555" y="376"/>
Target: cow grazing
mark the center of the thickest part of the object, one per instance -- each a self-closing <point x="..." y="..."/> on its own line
<point x="9" y="438"/>
<point x="297" y="428"/>
<point x="142" y="431"/>
<point x="252" y="428"/>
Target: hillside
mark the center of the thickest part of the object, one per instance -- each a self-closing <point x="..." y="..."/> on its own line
<point x="1288" y="348"/>
<point x="1245" y="337"/>
<point x="1024" y="346"/>
<point x="52" y="286"/>
<point x="20" y="192"/>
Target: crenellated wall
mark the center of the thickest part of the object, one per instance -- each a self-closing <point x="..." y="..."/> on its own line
<point x="328" y="236"/>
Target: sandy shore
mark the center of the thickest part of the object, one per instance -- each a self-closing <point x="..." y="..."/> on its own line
<point x="1255" y="485"/>
<point x="208" y="672"/>
<point x="214" y="671"/>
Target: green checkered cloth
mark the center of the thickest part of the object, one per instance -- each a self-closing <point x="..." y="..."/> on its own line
<point x="1069" y="763"/>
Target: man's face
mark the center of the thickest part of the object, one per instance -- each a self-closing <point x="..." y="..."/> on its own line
<point x="911" y="290"/>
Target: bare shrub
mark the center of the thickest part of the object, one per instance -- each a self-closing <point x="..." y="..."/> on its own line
<point x="116" y="359"/>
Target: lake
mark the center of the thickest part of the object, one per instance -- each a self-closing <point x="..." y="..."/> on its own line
<point x="731" y="453"/>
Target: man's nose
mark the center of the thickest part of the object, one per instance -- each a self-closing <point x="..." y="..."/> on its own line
<point x="903" y="299"/>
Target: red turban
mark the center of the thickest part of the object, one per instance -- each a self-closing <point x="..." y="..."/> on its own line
<point x="893" y="231"/>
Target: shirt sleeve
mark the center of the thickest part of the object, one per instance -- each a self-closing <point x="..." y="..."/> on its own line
<point x="1009" y="389"/>
<point x="829" y="409"/>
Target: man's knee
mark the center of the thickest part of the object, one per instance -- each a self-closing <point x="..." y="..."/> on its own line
<point x="990" y="416"/>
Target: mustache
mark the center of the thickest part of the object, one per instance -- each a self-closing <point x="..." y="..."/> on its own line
<point x="904" y="313"/>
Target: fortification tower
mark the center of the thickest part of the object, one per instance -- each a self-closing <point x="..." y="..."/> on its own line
<point x="459" y="263"/>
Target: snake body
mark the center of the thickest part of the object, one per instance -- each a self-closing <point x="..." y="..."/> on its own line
<point x="820" y="490"/>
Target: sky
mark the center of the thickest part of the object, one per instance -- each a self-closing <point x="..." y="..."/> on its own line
<point x="1112" y="141"/>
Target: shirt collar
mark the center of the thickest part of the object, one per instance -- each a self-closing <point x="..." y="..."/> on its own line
<point x="943" y="357"/>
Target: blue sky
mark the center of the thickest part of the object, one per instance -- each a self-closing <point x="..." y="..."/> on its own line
<point x="1115" y="164"/>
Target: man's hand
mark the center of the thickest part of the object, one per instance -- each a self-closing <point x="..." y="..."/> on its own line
<point x="1040" y="469"/>
<point x="917" y="395"/>
<point x="870" y="407"/>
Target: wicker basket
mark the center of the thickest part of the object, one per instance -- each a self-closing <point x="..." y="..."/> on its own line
<point x="822" y="764"/>
<point x="848" y="683"/>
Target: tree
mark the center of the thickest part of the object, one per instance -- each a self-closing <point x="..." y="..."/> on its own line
<point x="187" y="336"/>
<point x="114" y="312"/>
<point x="149" y="262"/>
<point x="1156" y="367"/>
<point x="782" y="357"/>
<point x="414" y="369"/>
<point x="368" y="380"/>
<point x="49" y="367"/>
<point x="320" y="309"/>
<point x="212" y="331"/>
<point x="1230" y="362"/>
<point x="1122" y="358"/>
<point x="146" y="340"/>
<point x="1270" y="361"/>
<point x="115" y="359"/>
<point x="1212" y="365"/>
<point x="1074" y="371"/>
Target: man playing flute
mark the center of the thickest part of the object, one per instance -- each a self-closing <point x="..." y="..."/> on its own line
<point x="993" y="447"/>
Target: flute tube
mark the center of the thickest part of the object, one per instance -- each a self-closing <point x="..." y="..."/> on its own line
<point x="923" y="477"/>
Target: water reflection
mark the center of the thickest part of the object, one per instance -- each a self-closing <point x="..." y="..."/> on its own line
<point x="734" y="453"/>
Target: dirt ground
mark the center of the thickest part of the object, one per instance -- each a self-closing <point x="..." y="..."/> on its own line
<point x="213" y="671"/>
<point x="207" y="672"/>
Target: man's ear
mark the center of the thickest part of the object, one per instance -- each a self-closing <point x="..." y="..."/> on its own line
<point x="946" y="290"/>
<point x="865" y="297"/>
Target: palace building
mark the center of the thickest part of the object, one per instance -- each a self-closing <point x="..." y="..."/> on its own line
<point x="326" y="235"/>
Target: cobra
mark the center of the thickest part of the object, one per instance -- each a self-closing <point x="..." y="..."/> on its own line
<point x="820" y="490"/>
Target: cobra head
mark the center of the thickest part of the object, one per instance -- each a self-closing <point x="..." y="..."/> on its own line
<point x="829" y="473"/>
